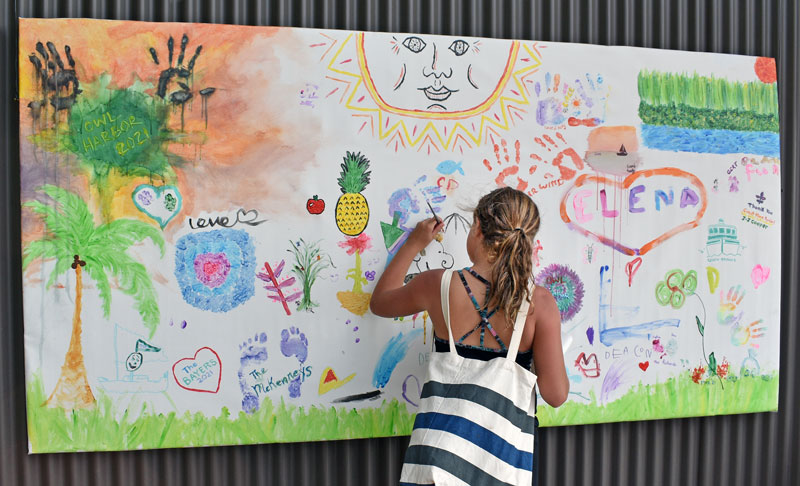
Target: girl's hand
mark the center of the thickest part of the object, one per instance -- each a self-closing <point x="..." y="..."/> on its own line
<point x="424" y="233"/>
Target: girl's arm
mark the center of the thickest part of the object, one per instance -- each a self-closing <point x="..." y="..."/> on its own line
<point x="393" y="299"/>
<point x="547" y="353"/>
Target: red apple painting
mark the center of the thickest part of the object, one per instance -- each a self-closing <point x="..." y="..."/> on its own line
<point x="315" y="205"/>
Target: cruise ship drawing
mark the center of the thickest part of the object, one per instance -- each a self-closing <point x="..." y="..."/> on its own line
<point x="722" y="240"/>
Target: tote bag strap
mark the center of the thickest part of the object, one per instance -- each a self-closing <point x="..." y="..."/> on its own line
<point x="519" y="325"/>
<point x="447" y="276"/>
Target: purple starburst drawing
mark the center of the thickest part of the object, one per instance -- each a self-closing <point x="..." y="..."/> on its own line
<point x="566" y="287"/>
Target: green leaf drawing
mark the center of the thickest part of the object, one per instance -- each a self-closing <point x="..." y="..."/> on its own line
<point x="712" y="364"/>
<point x="700" y="326"/>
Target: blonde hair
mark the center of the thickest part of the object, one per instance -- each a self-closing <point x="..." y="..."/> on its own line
<point x="508" y="220"/>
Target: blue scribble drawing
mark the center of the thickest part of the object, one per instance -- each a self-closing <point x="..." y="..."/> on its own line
<point x="610" y="335"/>
<point x="394" y="352"/>
<point x="678" y="139"/>
<point x="216" y="269"/>
<point x="253" y="355"/>
<point x="139" y="367"/>
<point x="409" y="201"/>
<point x="449" y="166"/>
<point x="294" y="343"/>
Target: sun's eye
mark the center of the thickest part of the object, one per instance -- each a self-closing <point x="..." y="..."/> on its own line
<point x="414" y="44"/>
<point x="459" y="47"/>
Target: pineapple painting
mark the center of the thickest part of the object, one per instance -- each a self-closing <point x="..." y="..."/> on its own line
<point x="352" y="211"/>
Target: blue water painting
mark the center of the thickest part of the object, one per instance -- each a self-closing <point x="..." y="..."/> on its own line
<point x="677" y="139"/>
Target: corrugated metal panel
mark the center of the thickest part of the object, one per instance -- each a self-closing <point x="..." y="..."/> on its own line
<point x="737" y="450"/>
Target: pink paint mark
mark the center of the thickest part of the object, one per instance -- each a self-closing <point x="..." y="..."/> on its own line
<point x="334" y="90"/>
<point x="345" y="61"/>
<point x="608" y="213"/>
<point x="362" y="127"/>
<point x="319" y="44"/>
<point x="361" y="99"/>
<point x="759" y="275"/>
<point x="631" y="268"/>
<point x="212" y="269"/>
<point x="580" y="207"/>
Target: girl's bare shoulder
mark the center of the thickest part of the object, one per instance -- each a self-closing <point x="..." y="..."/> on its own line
<point x="543" y="301"/>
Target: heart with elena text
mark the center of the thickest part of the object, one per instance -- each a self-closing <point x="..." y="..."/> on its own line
<point x="692" y="200"/>
<point x="159" y="203"/>
<point x="201" y="373"/>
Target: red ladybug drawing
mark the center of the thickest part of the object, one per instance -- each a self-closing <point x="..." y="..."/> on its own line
<point x="315" y="205"/>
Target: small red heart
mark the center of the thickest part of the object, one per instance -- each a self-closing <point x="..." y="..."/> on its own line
<point x="644" y="365"/>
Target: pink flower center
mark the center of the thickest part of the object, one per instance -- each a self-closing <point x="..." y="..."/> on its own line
<point x="212" y="269"/>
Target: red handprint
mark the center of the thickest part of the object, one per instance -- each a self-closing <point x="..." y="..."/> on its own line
<point x="565" y="172"/>
<point x="510" y="169"/>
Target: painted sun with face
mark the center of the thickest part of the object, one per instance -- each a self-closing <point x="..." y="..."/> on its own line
<point x="432" y="75"/>
<point x="431" y="92"/>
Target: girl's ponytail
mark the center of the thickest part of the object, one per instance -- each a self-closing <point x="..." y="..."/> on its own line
<point x="509" y="220"/>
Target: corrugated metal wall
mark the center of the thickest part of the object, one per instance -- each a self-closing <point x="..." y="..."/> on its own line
<point x="762" y="449"/>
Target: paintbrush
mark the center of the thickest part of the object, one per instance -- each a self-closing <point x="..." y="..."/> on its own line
<point x="438" y="236"/>
<point x="433" y="212"/>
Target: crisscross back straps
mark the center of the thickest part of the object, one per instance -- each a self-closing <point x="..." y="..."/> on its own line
<point x="483" y="312"/>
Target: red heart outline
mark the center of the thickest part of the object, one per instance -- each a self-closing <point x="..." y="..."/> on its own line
<point x="219" y="376"/>
<point x="625" y="184"/>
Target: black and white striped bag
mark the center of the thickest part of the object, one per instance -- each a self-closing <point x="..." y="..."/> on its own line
<point x="475" y="421"/>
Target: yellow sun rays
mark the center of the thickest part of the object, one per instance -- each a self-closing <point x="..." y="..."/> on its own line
<point x="428" y="131"/>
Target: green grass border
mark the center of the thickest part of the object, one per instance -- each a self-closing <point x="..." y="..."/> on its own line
<point x="54" y="430"/>
<point x="97" y="429"/>
<point x="676" y="398"/>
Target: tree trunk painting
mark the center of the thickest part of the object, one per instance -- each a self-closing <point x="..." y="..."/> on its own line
<point x="72" y="389"/>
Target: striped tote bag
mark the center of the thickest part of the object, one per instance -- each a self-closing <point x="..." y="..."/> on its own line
<point x="475" y="421"/>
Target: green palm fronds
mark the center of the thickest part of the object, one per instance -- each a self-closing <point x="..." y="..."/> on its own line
<point x="70" y="230"/>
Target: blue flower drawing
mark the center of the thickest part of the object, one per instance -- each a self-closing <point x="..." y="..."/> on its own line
<point x="216" y="269"/>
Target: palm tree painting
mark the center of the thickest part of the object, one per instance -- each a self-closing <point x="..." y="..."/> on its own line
<point x="76" y="244"/>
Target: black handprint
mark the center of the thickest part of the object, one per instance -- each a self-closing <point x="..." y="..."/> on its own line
<point x="60" y="86"/>
<point x="184" y="94"/>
